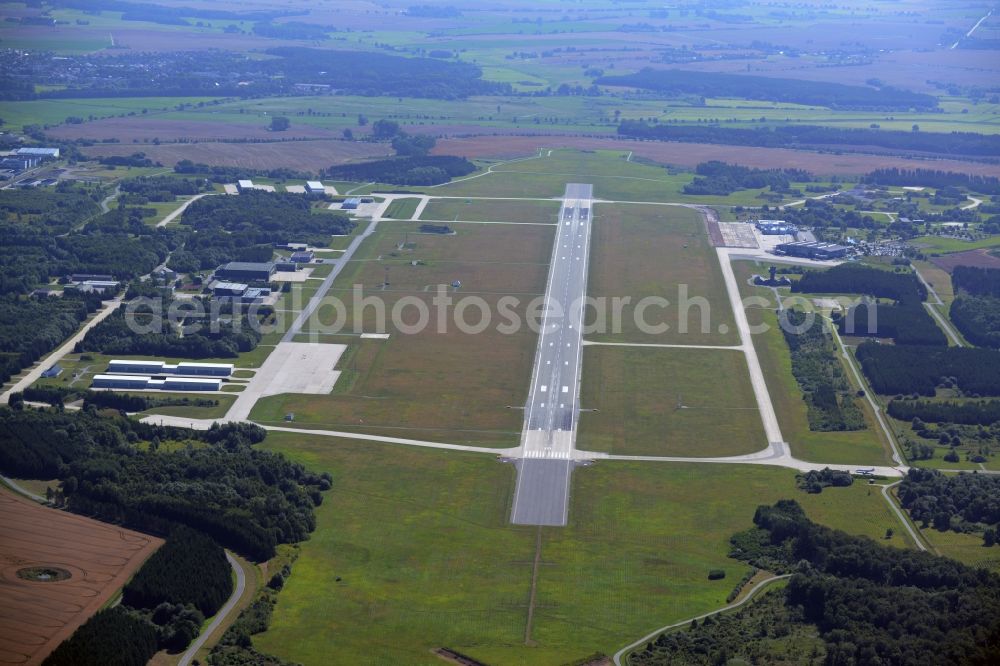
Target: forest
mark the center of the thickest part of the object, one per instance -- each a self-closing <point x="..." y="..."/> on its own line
<point x="905" y="323"/>
<point x="817" y="369"/>
<point x="213" y="481"/>
<point x="816" y="136"/>
<point x="973" y="412"/>
<point x="978" y="319"/>
<point x="117" y="335"/>
<point x="855" y="279"/>
<point x="266" y="217"/>
<point x="931" y="178"/>
<point x="722" y="179"/>
<point x="796" y="91"/>
<point x="144" y="189"/>
<point x="977" y="281"/>
<point x="965" y="503"/>
<point x="31" y="327"/>
<point x="168" y="599"/>
<point x="58" y="210"/>
<point x="849" y="601"/>
<point x="819" y="214"/>
<point x="426" y="170"/>
<point x="907" y="370"/>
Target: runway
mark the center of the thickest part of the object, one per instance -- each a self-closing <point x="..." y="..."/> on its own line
<point x="549" y="435"/>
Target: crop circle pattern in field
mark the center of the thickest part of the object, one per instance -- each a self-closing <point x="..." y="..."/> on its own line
<point x="44" y="574"/>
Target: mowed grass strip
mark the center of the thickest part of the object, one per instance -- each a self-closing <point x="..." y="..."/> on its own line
<point x="402" y="209"/>
<point x="413" y="551"/>
<point x="860" y="447"/>
<point x="661" y="252"/>
<point x="668" y="402"/>
<point x="492" y="210"/>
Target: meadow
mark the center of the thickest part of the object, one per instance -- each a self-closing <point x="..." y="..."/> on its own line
<point x="413" y="551"/>
<point x="668" y="402"/>
<point x="491" y="210"/>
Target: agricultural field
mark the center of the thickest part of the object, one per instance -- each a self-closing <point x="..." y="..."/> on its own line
<point x="387" y="577"/>
<point x="668" y="402"/>
<point x="59" y="569"/>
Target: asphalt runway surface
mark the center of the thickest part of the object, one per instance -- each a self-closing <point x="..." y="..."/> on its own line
<point x="549" y="436"/>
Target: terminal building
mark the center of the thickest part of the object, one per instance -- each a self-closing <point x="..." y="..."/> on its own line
<point x="813" y="250"/>
<point x="245" y="271"/>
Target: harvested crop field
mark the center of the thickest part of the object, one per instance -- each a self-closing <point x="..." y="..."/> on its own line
<point x="310" y="155"/>
<point x="139" y="127"/>
<point x="56" y="570"/>
<point x="977" y="258"/>
<point x="691" y="154"/>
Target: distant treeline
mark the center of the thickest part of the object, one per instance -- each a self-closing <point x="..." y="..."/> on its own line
<point x="795" y="91"/>
<point x="815" y="136"/>
<point x="427" y="170"/>
<point x="154" y="11"/>
<point x="931" y="178"/>
<point x="721" y="178"/>
<point x="227" y="174"/>
<point x="246" y="499"/>
<point x="978" y="412"/>
<point x="903" y="369"/>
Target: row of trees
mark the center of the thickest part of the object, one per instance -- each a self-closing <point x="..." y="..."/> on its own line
<point x="816" y="136"/>
<point x="795" y="91"/>
<point x="831" y="403"/>
<point x="721" y="178"/>
<point x="933" y="178"/>
<point x="425" y="170"/>
<point x="972" y="412"/>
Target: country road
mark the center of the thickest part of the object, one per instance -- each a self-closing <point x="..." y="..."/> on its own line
<point x="183" y="207"/>
<point x="220" y="617"/>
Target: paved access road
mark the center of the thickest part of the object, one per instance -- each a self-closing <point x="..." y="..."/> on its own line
<point x="550" y="421"/>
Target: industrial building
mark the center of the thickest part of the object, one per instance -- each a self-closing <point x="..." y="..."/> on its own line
<point x="813" y="250"/>
<point x="255" y="294"/>
<point x="775" y="227"/>
<point x="244" y="185"/>
<point x="286" y="266"/>
<point x="99" y="286"/>
<point x="133" y="382"/>
<point x="162" y="368"/>
<point x="315" y="187"/>
<point x="351" y="203"/>
<point x="43" y="153"/>
<point x="303" y="257"/>
<point x="221" y="289"/>
<point x="245" y="271"/>
<point x="146" y="383"/>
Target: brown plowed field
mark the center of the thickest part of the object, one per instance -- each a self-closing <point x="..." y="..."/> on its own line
<point x="36" y="616"/>
<point x="138" y="127"/>
<point x="974" y="258"/>
<point x="299" y="155"/>
<point x="691" y="154"/>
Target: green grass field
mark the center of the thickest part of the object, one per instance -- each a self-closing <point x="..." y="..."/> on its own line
<point x="938" y="245"/>
<point x="55" y="111"/>
<point x="402" y="209"/>
<point x="668" y="402"/>
<point x="491" y="210"/>
<point x="410" y="385"/>
<point x="425" y="557"/>
<point x="659" y="252"/>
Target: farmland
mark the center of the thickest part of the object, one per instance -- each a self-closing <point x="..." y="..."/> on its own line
<point x="42" y="608"/>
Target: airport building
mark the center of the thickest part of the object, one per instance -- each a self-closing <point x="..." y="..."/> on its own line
<point x="315" y="187"/>
<point x="351" y="203"/>
<point x="184" y="368"/>
<point x="190" y="384"/>
<point x="775" y="227"/>
<point x="146" y="383"/>
<point x="221" y="289"/>
<point x="813" y="250"/>
<point x="132" y="382"/>
<point x="302" y="257"/>
<point x="245" y="271"/>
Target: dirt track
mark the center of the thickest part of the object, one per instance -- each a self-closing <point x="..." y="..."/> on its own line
<point x="36" y="616"/>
